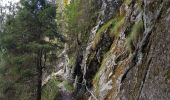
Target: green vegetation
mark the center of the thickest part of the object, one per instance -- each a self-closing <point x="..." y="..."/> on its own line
<point x="79" y="17"/>
<point x="72" y="60"/>
<point x="114" y="27"/>
<point x="127" y="2"/>
<point x="167" y="75"/>
<point x="101" y="31"/>
<point x="68" y="86"/>
<point x="139" y="2"/>
<point x="75" y="22"/>
<point x="137" y="29"/>
<point x="100" y="71"/>
<point x="71" y="13"/>
<point x="117" y="26"/>
<point x="24" y="51"/>
<point x="30" y="40"/>
<point x="33" y="35"/>
<point x="50" y="90"/>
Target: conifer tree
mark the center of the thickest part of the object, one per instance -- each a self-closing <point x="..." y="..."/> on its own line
<point x="26" y="40"/>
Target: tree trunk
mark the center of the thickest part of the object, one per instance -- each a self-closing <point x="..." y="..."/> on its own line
<point x="39" y="77"/>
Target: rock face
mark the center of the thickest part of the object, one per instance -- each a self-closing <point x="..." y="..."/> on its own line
<point x="147" y="80"/>
<point x="128" y="53"/>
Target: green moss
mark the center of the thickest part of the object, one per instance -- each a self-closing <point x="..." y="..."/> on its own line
<point x="96" y="81"/>
<point x="72" y="61"/>
<point x="100" y="32"/>
<point x="68" y="86"/>
<point x="139" y="2"/>
<point x="118" y="24"/>
<point x="127" y="2"/>
<point x="136" y="30"/>
<point x="50" y="90"/>
<point x="105" y="26"/>
<point x="97" y="76"/>
<point x="167" y="75"/>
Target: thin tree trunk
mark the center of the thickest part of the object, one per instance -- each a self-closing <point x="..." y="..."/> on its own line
<point x="39" y="70"/>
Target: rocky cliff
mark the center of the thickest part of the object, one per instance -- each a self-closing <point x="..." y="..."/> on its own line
<point x="128" y="52"/>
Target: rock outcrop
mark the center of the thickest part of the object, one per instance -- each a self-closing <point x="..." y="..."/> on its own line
<point x="128" y="53"/>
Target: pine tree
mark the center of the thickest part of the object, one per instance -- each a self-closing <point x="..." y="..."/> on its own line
<point x="26" y="40"/>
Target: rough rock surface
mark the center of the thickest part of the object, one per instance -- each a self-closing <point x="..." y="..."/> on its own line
<point x="135" y="63"/>
<point x="147" y="80"/>
<point x="128" y="53"/>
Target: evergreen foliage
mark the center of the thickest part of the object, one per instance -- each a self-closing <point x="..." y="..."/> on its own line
<point x="26" y="42"/>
